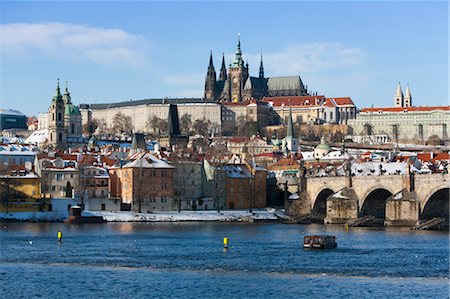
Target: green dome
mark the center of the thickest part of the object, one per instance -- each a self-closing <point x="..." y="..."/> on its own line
<point x="276" y="142"/>
<point x="71" y="109"/>
<point x="323" y="144"/>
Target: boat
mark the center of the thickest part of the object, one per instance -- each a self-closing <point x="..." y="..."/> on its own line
<point x="319" y="242"/>
<point x="76" y="217"/>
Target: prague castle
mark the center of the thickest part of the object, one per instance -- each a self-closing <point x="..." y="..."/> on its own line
<point x="236" y="84"/>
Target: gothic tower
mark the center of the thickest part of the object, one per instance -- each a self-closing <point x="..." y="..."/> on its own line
<point x="407" y="99"/>
<point x="210" y="81"/>
<point x="223" y="70"/>
<point x="238" y="74"/>
<point x="261" y="69"/>
<point x="398" y="98"/>
<point x="56" y="127"/>
<point x="290" y="144"/>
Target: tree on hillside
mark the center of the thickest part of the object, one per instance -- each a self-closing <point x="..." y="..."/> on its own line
<point x="201" y="126"/>
<point x="156" y="125"/>
<point x="240" y="124"/>
<point x="122" y="123"/>
<point x="185" y="123"/>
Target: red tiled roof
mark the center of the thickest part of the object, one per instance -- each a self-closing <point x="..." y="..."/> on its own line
<point x="400" y="109"/>
<point x="426" y="157"/>
<point x="344" y="101"/>
<point x="239" y="139"/>
<point x="294" y="101"/>
<point x="90" y="159"/>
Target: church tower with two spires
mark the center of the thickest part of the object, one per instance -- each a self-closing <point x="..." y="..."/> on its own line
<point x="401" y="100"/>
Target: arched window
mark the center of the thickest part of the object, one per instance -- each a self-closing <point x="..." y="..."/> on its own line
<point x="59" y="116"/>
<point x="325" y="116"/>
<point x="60" y="137"/>
<point x="72" y="129"/>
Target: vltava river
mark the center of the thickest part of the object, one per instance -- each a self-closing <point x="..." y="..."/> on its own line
<point x="186" y="260"/>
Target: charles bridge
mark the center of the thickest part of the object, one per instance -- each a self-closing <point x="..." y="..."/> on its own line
<point x="394" y="200"/>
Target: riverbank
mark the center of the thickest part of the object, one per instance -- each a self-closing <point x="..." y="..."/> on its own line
<point x="171" y="216"/>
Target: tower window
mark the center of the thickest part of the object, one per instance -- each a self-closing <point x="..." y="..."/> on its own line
<point x="72" y="128"/>
<point x="60" y="137"/>
<point x="59" y="116"/>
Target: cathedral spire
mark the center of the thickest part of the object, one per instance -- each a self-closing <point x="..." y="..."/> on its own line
<point x="238" y="58"/>
<point x="261" y="68"/>
<point x="223" y="70"/>
<point x="210" y="81"/>
<point x="210" y="59"/>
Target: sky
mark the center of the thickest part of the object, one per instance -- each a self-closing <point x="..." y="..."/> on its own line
<point x="112" y="51"/>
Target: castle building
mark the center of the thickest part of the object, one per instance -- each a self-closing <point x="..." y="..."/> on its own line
<point x="62" y="122"/>
<point x="403" y="122"/>
<point x="236" y="84"/>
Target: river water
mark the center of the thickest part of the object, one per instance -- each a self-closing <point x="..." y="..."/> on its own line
<point x="187" y="260"/>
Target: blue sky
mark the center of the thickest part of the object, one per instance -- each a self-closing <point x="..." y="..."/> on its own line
<point x="114" y="51"/>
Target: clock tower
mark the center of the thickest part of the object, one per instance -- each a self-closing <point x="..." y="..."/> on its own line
<point x="238" y="74"/>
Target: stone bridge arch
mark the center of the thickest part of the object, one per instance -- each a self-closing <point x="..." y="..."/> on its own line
<point x="428" y="184"/>
<point x="319" y="209"/>
<point x="364" y="185"/>
<point x="374" y="204"/>
<point x="315" y="185"/>
<point x="436" y="205"/>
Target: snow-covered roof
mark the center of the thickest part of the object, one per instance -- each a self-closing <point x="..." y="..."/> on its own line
<point x="237" y="171"/>
<point x="147" y="160"/>
<point x="373" y="168"/>
<point x="38" y="137"/>
<point x="16" y="149"/>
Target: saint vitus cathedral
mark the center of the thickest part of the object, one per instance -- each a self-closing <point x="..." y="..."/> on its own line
<point x="236" y="84"/>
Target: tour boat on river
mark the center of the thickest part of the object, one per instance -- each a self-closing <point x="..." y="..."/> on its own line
<point x="319" y="242"/>
<point x="76" y="217"/>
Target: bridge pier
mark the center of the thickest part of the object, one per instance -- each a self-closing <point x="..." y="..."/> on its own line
<point x="402" y="209"/>
<point x="342" y="207"/>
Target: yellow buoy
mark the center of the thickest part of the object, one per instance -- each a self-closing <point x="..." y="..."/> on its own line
<point x="225" y="242"/>
<point x="59" y="236"/>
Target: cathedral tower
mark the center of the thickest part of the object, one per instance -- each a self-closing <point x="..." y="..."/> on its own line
<point x="210" y="81"/>
<point x="238" y="74"/>
<point x="56" y="128"/>
<point x="223" y="70"/>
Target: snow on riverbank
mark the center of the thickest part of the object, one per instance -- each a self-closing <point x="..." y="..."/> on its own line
<point x="173" y="216"/>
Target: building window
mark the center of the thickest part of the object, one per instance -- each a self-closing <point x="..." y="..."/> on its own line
<point x="103" y="207"/>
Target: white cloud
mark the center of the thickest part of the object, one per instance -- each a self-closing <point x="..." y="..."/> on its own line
<point x="71" y="42"/>
<point x="305" y="58"/>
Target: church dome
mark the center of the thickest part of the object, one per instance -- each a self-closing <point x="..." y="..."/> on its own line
<point x="71" y="110"/>
<point x="323" y="145"/>
<point x="322" y="149"/>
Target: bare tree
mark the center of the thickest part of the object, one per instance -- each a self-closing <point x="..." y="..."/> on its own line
<point x="122" y="123"/>
<point x="201" y="126"/>
<point x="240" y="124"/>
<point x="156" y="125"/>
<point x="186" y="123"/>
